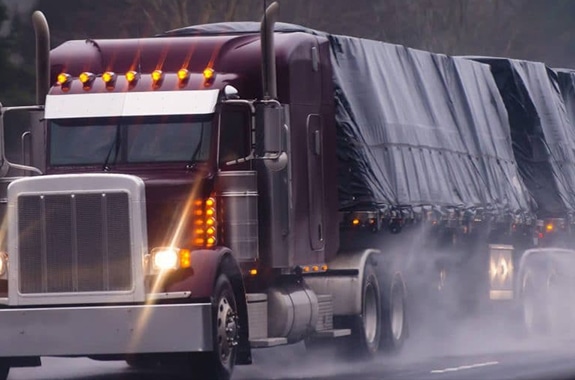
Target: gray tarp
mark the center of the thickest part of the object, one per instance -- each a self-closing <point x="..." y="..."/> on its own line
<point x="542" y="133"/>
<point x="417" y="128"/>
<point x="414" y="128"/>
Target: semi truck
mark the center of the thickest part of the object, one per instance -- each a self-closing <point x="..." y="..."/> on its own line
<point x="189" y="197"/>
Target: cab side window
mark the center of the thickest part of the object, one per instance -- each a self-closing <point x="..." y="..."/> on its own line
<point x="234" y="137"/>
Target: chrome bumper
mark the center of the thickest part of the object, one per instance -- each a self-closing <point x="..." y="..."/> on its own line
<point x="105" y="330"/>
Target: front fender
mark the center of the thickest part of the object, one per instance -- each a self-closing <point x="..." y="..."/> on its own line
<point x="200" y="279"/>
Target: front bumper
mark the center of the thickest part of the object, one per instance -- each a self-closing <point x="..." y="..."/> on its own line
<point x="62" y="331"/>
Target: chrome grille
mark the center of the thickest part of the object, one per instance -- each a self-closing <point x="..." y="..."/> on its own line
<point x="74" y="243"/>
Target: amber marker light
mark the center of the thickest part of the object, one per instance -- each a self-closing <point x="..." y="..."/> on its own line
<point x="63" y="79"/>
<point x="253" y="272"/>
<point x="157" y="75"/>
<point x="132" y="77"/>
<point x="208" y="73"/>
<point x="86" y="77"/>
<point x="205" y="223"/>
<point x="183" y="75"/>
<point x="185" y="258"/>
<point x="209" y="76"/>
<point x="109" y="78"/>
<point x="355" y="222"/>
<point x="549" y="227"/>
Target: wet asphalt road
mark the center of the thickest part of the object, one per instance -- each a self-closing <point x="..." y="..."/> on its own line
<point x="468" y="358"/>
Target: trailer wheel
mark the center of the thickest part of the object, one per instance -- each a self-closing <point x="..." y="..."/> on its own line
<point x="394" y="318"/>
<point x="366" y="328"/>
<point x="219" y="364"/>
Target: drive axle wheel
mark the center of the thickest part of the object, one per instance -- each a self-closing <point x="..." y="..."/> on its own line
<point x="394" y="322"/>
<point x="219" y="364"/>
<point x="366" y="328"/>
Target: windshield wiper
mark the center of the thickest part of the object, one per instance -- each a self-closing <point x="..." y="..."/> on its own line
<point x="192" y="162"/>
<point x="115" y="147"/>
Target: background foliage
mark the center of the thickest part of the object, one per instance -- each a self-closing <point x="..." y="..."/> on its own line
<point x="528" y="29"/>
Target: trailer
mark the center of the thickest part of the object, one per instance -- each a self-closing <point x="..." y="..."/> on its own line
<point x="186" y="198"/>
<point x="539" y="103"/>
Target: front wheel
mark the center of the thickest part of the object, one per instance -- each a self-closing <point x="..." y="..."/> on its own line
<point x="219" y="364"/>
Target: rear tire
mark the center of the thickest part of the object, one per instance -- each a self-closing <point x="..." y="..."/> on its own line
<point x="366" y="327"/>
<point x="394" y="318"/>
<point x="219" y="364"/>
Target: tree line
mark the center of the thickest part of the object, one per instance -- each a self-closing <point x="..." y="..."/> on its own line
<point x="525" y="29"/>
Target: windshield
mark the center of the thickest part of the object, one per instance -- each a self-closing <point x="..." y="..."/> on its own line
<point x="151" y="139"/>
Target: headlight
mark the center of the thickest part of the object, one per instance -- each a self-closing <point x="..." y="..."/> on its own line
<point x="164" y="259"/>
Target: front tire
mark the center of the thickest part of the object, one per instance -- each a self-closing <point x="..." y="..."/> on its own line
<point x="219" y="364"/>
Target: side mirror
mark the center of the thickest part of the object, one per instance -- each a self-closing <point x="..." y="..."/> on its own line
<point x="269" y="118"/>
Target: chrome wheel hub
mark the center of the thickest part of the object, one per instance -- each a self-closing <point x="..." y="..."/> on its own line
<point x="227" y="324"/>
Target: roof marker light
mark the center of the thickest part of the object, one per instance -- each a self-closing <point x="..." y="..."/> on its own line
<point x="63" y="79"/>
<point x="109" y="77"/>
<point x="208" y="73"/>
<point x="157" y="75"/>
<point x="132" y="77"/>
<point x="86" y="77"/>
<point x="183" y="75"/>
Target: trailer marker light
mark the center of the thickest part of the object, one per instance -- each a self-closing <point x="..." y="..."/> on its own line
<point x="315" y="268"/>
<point x="324" y="268"/>
<point x="64" y="78"/>
<point x="253" y="272"/>
<point x="305" y="269"/>
<point x="355" y="222"/>
<point x="549" y="227"/>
